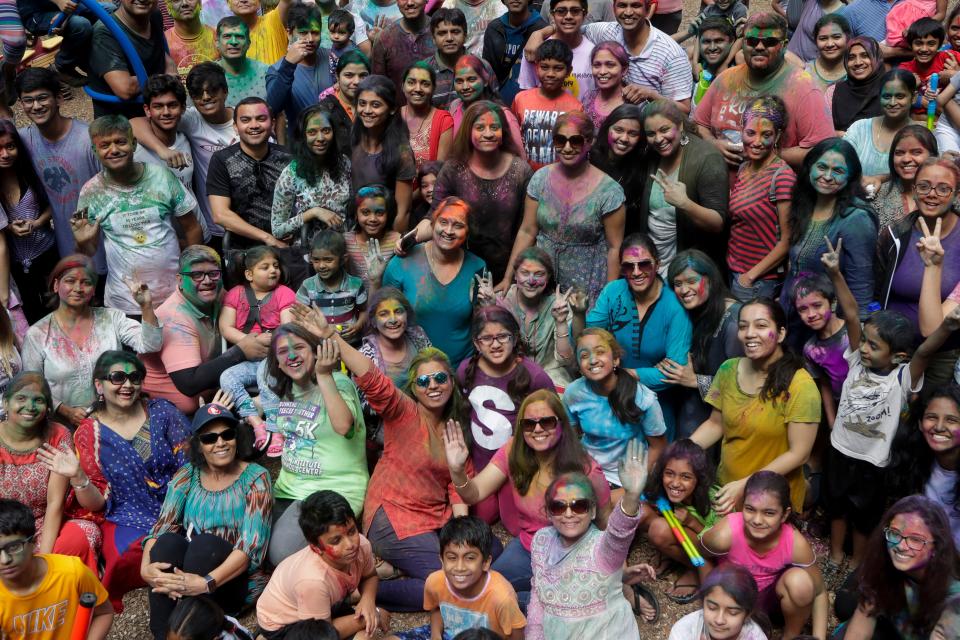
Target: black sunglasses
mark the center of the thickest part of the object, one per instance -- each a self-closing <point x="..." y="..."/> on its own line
<point x="120" y="377"/>
<point x="198" y="276"/>
<point x="547" y="423"/>
<point x="769" y="43"/>
<point x="576" y="141"/>
<point x="579" y="506"/>
<point x="227" y="435"/>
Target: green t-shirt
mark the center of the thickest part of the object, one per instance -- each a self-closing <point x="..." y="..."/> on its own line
<point x="251" y="83"/>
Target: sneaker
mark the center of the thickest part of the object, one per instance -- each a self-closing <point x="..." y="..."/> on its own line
<point x="69" y="77"/>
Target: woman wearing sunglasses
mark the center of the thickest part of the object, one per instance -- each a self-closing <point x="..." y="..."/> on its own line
<point x="129" y="449"/>
<point x="64" y="345"/>
<point x="544" y="445"/>
<point x="573" y="211"/>
<point x="212" y="533"/>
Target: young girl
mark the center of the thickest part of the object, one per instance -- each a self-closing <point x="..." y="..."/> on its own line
<point x="495" y="380"/>
<point x="777" y="555"/>
<point x="257" y="307"/>
<point x="610" y="406"/>
<point x="427" y="179"/>
<point x="729" y="596"/>
<point x="682" y="475"/>
<point x="200" y="618"/>
<point x="609" y="62"/>
<point x="373" y="205"/>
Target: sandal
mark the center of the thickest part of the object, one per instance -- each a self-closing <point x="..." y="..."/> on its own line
<point x="641" y="591"/>
<point x="684" y="599"/>
<point x="275" y="450"/>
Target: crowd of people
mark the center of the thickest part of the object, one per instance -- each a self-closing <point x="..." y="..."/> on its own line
<point x="570" y="268"/>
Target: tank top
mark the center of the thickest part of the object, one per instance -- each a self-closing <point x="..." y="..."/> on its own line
<point x="765" y="568"/>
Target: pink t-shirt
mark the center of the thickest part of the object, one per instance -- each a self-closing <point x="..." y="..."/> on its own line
<point x="766" y="568"/>
<point x="283" y="298"/>
<point x="523" y="516"/>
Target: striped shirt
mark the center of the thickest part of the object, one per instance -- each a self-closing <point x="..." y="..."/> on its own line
<point x="662" y="65"/>
<point x="28" y="248"/>
<point x="339" y="306"/>
<point x="754" y="221"/>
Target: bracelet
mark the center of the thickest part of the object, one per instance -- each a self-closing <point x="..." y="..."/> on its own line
<point x="560" y="335"/>
<point x="629" y="515"/>
<point x="461" y="486"/>
<point x="81" y="487"/>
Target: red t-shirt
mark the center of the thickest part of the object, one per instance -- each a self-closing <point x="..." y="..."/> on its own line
<point x="537" y="115"/>
<point x="754" y="220"/>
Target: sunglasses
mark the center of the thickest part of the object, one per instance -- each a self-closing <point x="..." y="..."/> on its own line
<point x="198" y="276"/>
<point x="576" y="141"/>
<point x="628" y="268"/>
<point x="440" y="377"/>
<point x="227" y="435"/>
<point x="119" y="378"/>
<point x="769" y="43"/>
<point x="547" y="423"/>
<point x="579" y="506"/>
<point x="562" y="11"/>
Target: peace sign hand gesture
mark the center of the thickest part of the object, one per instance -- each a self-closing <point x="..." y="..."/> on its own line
<point x="929" y="246"/>
<point x="674" y="192"/>
<point x="485" y="292"/>
<point x="831" y="257"/>
<point x="376" y="261"/>
<point x="561" y="306"/>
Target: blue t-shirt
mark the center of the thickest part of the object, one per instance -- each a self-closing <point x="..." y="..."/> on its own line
<point x="868" y="17"/>
<point x="514" y="51"/>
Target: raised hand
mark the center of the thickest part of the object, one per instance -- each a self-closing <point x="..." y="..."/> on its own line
<point x="62" y="463"/>
<point x="831" y="257"/>
<point x="485" y="292"/>
<point x="328" y="356"/>
<point x="674" y="192"/>
<point x="375" y="260"/>
<point x="84" y="230"/>
<point x="632" y="469"/>
<point x="223" y="398"/>
<point x="312" y="320"/>
<point x="929" y="246"/>
<point x="561" y="306"/>
<point x="455" y="447"/>
<point x="578" y="301"/>
<point x="139" y="291"/>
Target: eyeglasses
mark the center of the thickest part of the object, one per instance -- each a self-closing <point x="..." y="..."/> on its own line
<point x="547" y="423"/>
<point x="500" y="338"/>
<point x="576" y="141"/>
<point x="198" y="276"/>
<point x="629" y="268"/>
<point x="440" y="377"/>
<point x="227" y="435"/>
<point x="16" y="547"/>
<point x="942" y="189"/>
<point x="579" y="506"/>
<point x="562" y="11"/>
<point x="43" y="98"/>
<point x="120" y="377"/>
<point x="914" y="543"/>
<point x="768" y="43"/>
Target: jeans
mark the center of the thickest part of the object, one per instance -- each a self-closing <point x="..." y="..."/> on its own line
<point x="417" y="556"/>
<point x="515" y="565"/>
<point x="76" y="31"/>
<point x="760" y="288"/>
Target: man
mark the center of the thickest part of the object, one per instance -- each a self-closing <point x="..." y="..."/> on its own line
<point x="764" y="72"/>
<point x="189" y="40"/>
<point x="245" y="76"/>
<point x="76" y="29"/>
<point x="134" y="204"/>
<point x="268" y="39"/>
<point x="567" y="18"/>
<point x="59" y="149"/>
<point x="478" y="14"/>
<point x="295" y="82"/>
<point x="190" y="361"/>
<point x="403" y="43"/>
<point x="503" y="44"/>
<point x="449" y="30"/>
<point x="111" y="73"/>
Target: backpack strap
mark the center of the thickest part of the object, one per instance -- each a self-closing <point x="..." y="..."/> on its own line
<point x="253" y="318"/>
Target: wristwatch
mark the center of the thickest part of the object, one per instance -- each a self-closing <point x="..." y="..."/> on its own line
<point x="211" y="583"/>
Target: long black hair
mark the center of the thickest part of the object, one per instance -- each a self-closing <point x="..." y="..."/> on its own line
<point x="781" y="373"/>
<point x="623" y="398"/>
<point x="684" y="449"/>
<point x="706" y="318"/>
<point x="23" y="170"/>
<point x="306" y="164"/>
<point x="805" y="196"/>
<point x="629" y="168"/>
<point x="395" y="134"/>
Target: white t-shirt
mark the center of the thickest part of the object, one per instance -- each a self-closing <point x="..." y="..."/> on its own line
<point x="205" y="140"/>
<point x="869" y="411"/>
<point x="478" y="17"/>
<point x="580" y="81"/>
<point x="690" y="627"/>
<point x="941" y="489"/>
<point x="184" y="174"/>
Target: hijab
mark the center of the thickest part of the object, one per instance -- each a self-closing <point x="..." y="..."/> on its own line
<point x="858" y="99"/>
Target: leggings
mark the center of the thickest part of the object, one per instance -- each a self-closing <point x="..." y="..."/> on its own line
<point x="11" y="32"/>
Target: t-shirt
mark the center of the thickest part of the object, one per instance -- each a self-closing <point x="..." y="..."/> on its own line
<point x="368" y="168"/>
<point x="580" y="81"/>
<point x="316" y="457"/>
<point x="868" y="17"/>
<point x="339" y="306"/>
<point x="873" y="161"/>
<point x="268" y="38"/>
<point x="755" y="430"/>
<point x="495" y="608"/>
<point x="691" y="627"/>
<point x="936" y="66"/>
<point x="49" y="612"/>
<point x="537" y="115"/>
<point x="281" y="298"/>
<point x="395" y="49"/>
<point x="941" y="487"/>
<point x="370" y="11"/>
<point x="871" y="406"/>
<point x="250" y="82"/>
<point x="139" y="237"/>
<point x="905" y="285"/>
<point x="188" y="53"/>
<point x="292" y="88"/>
<point x="205" y="140"/>
<point x="827" y="355"/>
<point x="184" y="174"/>
<point x="754" y="220"/>
<point x="479" y="15"/>
<point x="305" y="587"/>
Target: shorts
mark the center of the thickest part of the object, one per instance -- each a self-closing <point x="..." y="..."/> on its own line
<point x="855" y="489"/>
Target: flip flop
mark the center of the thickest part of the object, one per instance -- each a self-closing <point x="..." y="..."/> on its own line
<point x="685" y="599"/>
<point x="641" y="591"/>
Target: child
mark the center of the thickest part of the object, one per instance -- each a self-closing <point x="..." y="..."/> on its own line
<point x="568" y="18"/>
<point x="374" y="219"/>
<point x="777" y="555"/>
<point x="317" y="581"/>
<point x="200" y="618"/>
<point x="311" y="630"/>
<point x="903" y="14"/>
<point x="876" y="393"/>
<point x="683" y="475"/>
<point x="734" y="11"/>
<point x="478" y="14"/>
<point x="341" y="297"/>
<point x="340" y="25"/>
<point x="926" y="36"/>
<point x="40" y="593"/>
<point x="466" y="593"/>
<point x="257" y="307"/>
<point x="427" y="179"/>
<point x="729" y="596"/>
<point x="503" y="44"/>
<point x="537" y="109"/>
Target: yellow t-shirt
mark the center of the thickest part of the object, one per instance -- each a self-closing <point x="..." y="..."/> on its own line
<point x="495" y="608"/>
<point x="755" y="431"/>
<point x="49" y="612"/>
<point x="268" y="39"/>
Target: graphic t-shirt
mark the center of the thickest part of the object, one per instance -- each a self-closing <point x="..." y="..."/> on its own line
<point x="495" y="608"/>
<point x="827" y="355"/>
<point x="537" y="115"/>
<point x="479" y="15"/>
<point x="250" y="82"/>
<point x="189" y="52"/>
<point x="205" y="140"/>
<point x="580" y="81"/>
<point x="139" y="237"/>
<point x="184" y="174"/>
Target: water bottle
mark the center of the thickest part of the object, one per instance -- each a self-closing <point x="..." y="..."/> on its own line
<point x="702" y="85"/>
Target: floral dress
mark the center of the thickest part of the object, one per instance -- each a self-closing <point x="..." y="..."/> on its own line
<point x="293" y="195"/>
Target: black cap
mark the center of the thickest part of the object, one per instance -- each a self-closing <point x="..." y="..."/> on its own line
<point x="212" y="412"/>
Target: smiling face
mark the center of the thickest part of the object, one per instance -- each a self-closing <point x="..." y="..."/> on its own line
<point x="571" y="526"/>
<point x="575" y="148"/>
<point x="691" y="288"/>
<point x="75" y="287"/>
<point x="663" y="135"/>
<point x="372" y="216"/>
<point x="953" y="34"/>
<point x="205" y="291"/>
<point x="831" y="43"/>
<point x="372" y="110"/>
<point x="124" y="395"/>
<point x="411" y="9"/>
<point x="714" y="46"/>
<point x="639" y="268"/>
<point x="467" y="83"/>
<point x="339" y="545"/>
<point x="631" y="14"/>
<point x="568" y="16"/>
<point x="908" y="156"/>
<point x="349" y="79"/>
<point x="27" y="407"/>
<point x="435" y="395"/>
<point x="295" y="357"/>
<point x="932" y="204"/>
<point x="115" y="150"/>
<point x="763" y="49"/>
<point x="679" y="480"/>
<point x="486" y="136"/>
<point x="924" y="49"/>
<point x="762" y="515"/>
<point x="138" y="9"/>
<point x="164" y="111"/>
<point x="418" y="88"/>
<point x="830" y="173"/>
<point x="390" y="319"/>
<point x="940" y="425"/>
<point x="541" y="439"/>
<point x="8" y="151"/>
<point x="624" y="136"/>
<point x="895" y="100"/>
<point x="814" y="310"/>
<point x="531" y="278"/>
<point x="760" y="138"/>
<point x="244" y="7"/>
<point x="40" y="105"/>
<point x="326" y="263"/>
<point x="318" y="133"/>
<point x="859" y="64"/>
<point x="722" y="616"/>
<point x="464" y="567"/>
<point x="450" y="229"/>
<point x="222" y="453"/>
<point x="902" y="556"/>
<point x="210" y="102"/>
<point x="758" y="333"/>
<point x="607" y="70"/>
<point x="596" y="359"/>
<point x="449" y="38"/>
<point x="254" y="124"/>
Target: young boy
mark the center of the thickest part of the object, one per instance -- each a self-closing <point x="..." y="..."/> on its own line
<point x="568" y="16"/>
<point x="449" y="29"/>
<point x="503" y="43"/>
<point x="538" y="109"/>
<point x="40" y="593"/>
<point x="316" y="582"/>
<point x="341" y="297"/>
<point x="478" y="14"/>
<point x="340" y="27"/>
<point x="466" y="594"/>
<point x="731" y="10"/>
<point x="926" y="36"/>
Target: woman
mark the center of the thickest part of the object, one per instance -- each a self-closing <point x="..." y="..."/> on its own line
<point x="128" y="451"/>
<point x="609" y="62"/>
<point x="911" y="147"/>
<point x="873" y="137"/>
<point x="474" y="80"/>
<point x="619" y="152"/>
<point x="858" y="96"/>
<point x="381" y="145"/>
<point x="574" y="212"/>
<point x="431" y="129"/>
<point x="684" y="205"/>
<point x="64" y="345"/>
<point x="214" y="524"/>
<point x="438" y="279"/>
<point x="714" y="312"/>
<point x="544" y="446"/>
<point x="10" y="361"/>
<point x="25" y="435"/>
<point x="827" y="204"/>
<point x="810" y="41"/>
<point x="313" y="191"/>
<point x="766" y="409"/>
<point x="341" y="99"/>
<point x="487" y="171"/>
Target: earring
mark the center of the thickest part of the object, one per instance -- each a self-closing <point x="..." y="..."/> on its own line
<point x="684" y="140"/>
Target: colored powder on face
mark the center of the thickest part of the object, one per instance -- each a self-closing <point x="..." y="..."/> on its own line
<point x="569" y="489"/>
<point x="319" y="121"/>
<point x="637" y="253"/>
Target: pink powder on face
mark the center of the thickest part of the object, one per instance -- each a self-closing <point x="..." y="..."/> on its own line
<point x="637" y="253"/>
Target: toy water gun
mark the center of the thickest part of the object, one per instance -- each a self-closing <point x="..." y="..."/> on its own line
<point x="932" y="104"/>
<point x="666" y="510"/>
<point x="81" y="623"/>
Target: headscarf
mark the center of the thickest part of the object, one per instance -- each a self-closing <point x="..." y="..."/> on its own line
<point x="858" y="99"/>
